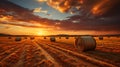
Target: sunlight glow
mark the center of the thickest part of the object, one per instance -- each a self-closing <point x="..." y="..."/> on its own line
<point x="40" y="33"/>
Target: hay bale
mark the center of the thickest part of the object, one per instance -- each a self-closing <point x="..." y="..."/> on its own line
<point x="67" y="37"/>
<point x="32" y="38"/>
<point x="52" y="39"/>
<point x="100" y="37"/>
<point x="9" y="37"/>
<point x="59" y="37"/>
<point x="45" y="38"/>
<point x="85" y="43"/>
<point x="18" y="39"/>
<point x="25" y="37"/>
<point x="108" y="36"/>
<point x="75" y="37"/>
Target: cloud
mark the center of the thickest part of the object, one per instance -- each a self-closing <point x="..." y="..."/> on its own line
<point x="9" y="20"/>
<point x="13" y="14"/>
<point x="103" y="6"/>
<point x="64" y="5"/>
<point x="37" y="10"/>
<point x="85" y="7"/>
<point x="79" y="23"/>
<point x="17" y="16"/>
<point x="41" y="0"/>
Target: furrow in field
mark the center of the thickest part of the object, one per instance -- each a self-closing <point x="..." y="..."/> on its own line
<point x="81" y="55"/>
<point x="11" y="59"/>
<point x="65" y="59"/>
<point x="48" y="56"/>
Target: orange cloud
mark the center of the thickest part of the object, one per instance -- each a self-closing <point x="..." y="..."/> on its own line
<point x="41" y="0"/>
<point x="5" y="18"/>
<point x="85" y="7"/>
<point x="64" y="5"/>
<point x="102" y="7"/>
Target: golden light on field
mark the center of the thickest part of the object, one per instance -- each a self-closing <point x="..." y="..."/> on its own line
<point x="40" y="33"/>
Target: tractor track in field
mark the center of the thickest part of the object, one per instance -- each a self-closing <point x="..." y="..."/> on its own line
<point x="48" y="56"/>
<point x="76" y="54"/>
<point x="65" y="59"/>
<point x="20" y="62"/>
<point x="8" y="52"/>
<point x="11" y="59"/>
<point x="34" y="53"/>
<point x="9" y="47"/>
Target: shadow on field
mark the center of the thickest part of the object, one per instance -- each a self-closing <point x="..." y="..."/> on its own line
<point x="113" y="58"/>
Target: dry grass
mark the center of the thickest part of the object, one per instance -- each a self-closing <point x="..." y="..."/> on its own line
<point x="107" y="49"/>
<point x="111" y="44"/>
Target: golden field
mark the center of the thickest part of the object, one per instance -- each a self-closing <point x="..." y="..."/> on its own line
<point x="108" y="44"/>
<point x="11" y="51"/>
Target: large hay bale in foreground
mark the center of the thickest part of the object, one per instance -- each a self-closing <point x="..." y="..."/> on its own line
<point x="18" y="39"/>
<point x="85" y="43"/>
<point x="52" y="39"/>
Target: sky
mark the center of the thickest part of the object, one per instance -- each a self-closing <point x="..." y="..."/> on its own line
<point x="42" y="9"/>
<point x="51" y="17"/>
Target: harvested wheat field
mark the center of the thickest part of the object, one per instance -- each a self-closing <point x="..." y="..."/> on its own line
<point x="59" y="33"/>
<point x="40" y="52"/>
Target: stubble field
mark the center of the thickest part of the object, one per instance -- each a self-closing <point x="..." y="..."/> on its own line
<point x="40" y="52"/>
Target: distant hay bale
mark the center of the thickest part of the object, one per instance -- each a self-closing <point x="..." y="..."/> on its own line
<point x="9" y="37"/>
<point x="85" y="43"/>
<point x="67" y="37"/>
<point x="25" y="37"/>
<point x="59" y="37"/>
<point x="100" y="37"/>
<point x="45" y="38"/>
<point x="76" y="37"/>
<point x="108" y="36"/>
<point x="52" y="39"/>
<point x="18" y="39"/>
<point x="32" y="38"/>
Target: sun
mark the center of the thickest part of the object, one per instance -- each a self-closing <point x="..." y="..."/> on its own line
<point x="40" y="33"/>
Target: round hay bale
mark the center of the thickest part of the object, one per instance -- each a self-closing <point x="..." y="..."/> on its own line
<point x="67" y="37"/>
<point x="75" y="37"/>
<point x="108" y="36"/>
<point x="9" y="37"/>
<point x="32" y="38"/>
<point x="18" y="39"/>
<point x="100" y="37"/>
<point x="52" y="39"/>
<point x="85" y="43"/>
<point x="59" y="37"/>
<point x="25" y="37"/>
<point x="45" y="38"/>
